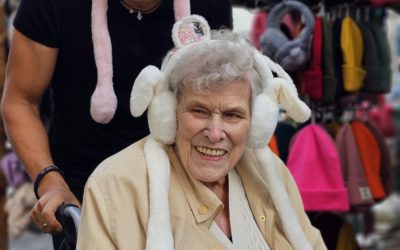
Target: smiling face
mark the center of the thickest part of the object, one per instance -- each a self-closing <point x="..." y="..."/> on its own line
<point x="213" y="127"/>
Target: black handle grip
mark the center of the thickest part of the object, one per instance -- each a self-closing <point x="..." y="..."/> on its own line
<point x="69" y="217"/>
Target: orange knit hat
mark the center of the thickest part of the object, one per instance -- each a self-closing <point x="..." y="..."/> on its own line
<point x="370" y="155"/>
<point x="273" y="145"/>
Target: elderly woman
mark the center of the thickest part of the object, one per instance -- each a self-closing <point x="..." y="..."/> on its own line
<point x="204" y="178"/>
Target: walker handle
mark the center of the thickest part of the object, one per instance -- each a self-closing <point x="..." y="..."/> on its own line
<point x="69" y="216"/>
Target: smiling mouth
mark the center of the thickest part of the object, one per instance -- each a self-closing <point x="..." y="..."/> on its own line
<point x="210" y="151"/>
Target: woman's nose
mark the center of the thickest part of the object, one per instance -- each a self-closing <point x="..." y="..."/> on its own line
<point x="215" y="129"/>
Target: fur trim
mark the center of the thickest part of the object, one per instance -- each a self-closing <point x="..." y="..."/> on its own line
<point x="263" y="69"/>
<point x="263" y="121"/>
<point x="159" y="232"/>
<point x="281" y="200"/>
<point x="190" y="37"/>
<point x="104" y="101"/>
<point x="162" y="117"/>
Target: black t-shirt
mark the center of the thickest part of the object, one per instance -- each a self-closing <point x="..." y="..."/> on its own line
<point x="78" y="144"/>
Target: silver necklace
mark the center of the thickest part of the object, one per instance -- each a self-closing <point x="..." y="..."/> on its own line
<point x="140" y="12"/>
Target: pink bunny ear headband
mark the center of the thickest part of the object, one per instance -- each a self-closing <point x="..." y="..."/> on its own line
<point x="152" y="91"/>
<point x="104" y="101"/>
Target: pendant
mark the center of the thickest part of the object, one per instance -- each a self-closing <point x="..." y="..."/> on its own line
<point x="139" y="15"/>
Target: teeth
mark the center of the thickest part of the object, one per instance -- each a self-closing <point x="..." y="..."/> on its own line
<point x="209" y="151"/>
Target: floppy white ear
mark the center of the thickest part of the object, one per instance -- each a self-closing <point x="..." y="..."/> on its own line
<point x="144" y="89"/>
<point x="288" y="98"/>
<point x="263" y="69"/>
<point x="283" y="90"/>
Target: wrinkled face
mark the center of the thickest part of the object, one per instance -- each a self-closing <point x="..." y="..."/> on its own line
<point x="213" y="127"/>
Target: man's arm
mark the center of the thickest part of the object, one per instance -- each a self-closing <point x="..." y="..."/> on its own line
<point x="29" y="71"/>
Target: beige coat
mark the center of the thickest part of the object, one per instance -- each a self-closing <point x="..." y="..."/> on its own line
<point x="116" y="205"/>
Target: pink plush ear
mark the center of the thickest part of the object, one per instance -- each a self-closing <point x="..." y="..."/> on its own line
<point x="182" y="9"/>
<point x="103" y="102"/>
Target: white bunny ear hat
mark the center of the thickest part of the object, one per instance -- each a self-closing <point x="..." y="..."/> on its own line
<point x="151" y="90"/>
<point x="103" y="103"/>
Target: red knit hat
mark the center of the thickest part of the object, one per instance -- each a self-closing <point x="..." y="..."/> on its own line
<point x="313" y="76"/>
<point x="384" y="2"/>
<point x="317" y="170"/>
<point x="370" y="157"/>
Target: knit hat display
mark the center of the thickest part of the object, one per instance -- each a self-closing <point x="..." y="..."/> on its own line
<point x="153" y="90"/>
<point x="386" y="172"/>
<point x="103" y="102"/>
<point x="384" y="56"/>
<point x="317" y="170"/>
<point x="370" y="157"/>
<point x="376" y="81"/>
<point x="313" y="77"/>
<point x="338" y="56"/>
<point x="360" y="196"/>
<point x="332" y="128"/>
<point x="370" y="60"/>
<point x="330" y="81"/>
<point x="353" y="49"/>
<point x="383" y="118"/>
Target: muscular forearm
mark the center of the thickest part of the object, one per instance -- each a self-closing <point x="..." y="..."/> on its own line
<point x="27" y="135"/>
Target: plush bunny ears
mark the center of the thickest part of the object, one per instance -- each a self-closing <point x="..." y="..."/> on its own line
<point x="104" y="101"/>
<point x="280" y="89"/>
<point x="151" y="89"/>
<point x="275" y="91"/>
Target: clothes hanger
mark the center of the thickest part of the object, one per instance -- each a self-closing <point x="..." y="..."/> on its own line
<point x="321" y="9"/>
<point x="347" y="9"/>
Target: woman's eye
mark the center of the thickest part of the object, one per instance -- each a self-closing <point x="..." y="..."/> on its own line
<point x="232" y="116"/>
<point x="200" y="112"/>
